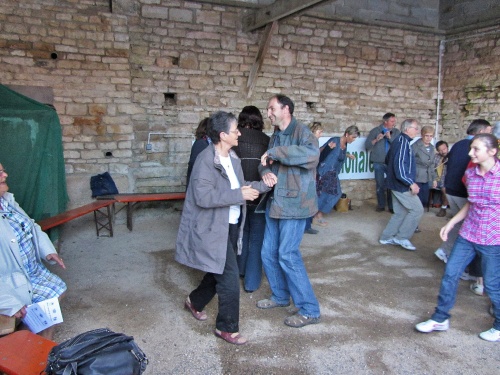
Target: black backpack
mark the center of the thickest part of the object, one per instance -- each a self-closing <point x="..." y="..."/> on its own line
<point x="97" y="352"/>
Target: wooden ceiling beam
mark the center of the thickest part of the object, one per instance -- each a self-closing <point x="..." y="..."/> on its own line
<point x="233" y="3"/>
<point x="259" y="59"/>
<point x="278" y="10"/>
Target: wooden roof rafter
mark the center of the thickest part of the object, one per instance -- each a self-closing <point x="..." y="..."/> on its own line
<point x="261" y="54"/>
<point x="280" y="9"/>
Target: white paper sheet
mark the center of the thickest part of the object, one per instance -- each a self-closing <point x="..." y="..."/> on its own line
<point x="42" y="315"/>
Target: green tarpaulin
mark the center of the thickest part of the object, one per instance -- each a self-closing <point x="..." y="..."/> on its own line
<point x="32" y="154"/>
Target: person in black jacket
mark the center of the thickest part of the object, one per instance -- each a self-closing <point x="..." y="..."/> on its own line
<point x="252" y="144"/>
<point x="201" y="143"/>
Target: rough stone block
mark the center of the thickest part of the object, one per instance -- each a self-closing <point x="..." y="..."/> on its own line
<point x="188" y="118"/>
<point x="200" y="83"/>
<point x="335" y="34"/>
<point x="287" y="58"/>
<point x="369" y="53"/>
<point x="342" y="60"/>
<point x="317" y="41"/>
<point x="130" y="109"/>
<point x="71" y="154"/>
<point x="149" y="11"/>
<point x="188" y="60"/>
<point x="119" y="129"/>
<point x="353" y="52"/>
<point x="304" y="31"/>
<point x="208" y="17"/>
<point x="410" y="40"/>
<point x="92" y="154"/>
<point x="208" y="44"/>
<point x="384" y="54"/>
<point x="122" y="153"/>
<point x="228" y="43"/>
<point x="181" y="15"/>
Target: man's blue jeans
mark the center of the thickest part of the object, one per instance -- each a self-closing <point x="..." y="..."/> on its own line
<point x="461" y="255"/>
<point x="250" y="260"/>
<point x="284" y="267"/>
<point x="380" y="170"/>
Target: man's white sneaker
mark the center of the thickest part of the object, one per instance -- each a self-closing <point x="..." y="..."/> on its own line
<point x="441" y="255"/>
<point x="389" y="241"/>
<point x="490" y="335"/>
<point x="406" y="244"/>
<point x="431" y="325"/>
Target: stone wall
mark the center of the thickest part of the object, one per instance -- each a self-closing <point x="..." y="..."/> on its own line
<point x="456" y="14"/>
<point x="471" y="81"/>
<point x="119" y="79"/>
<point x="420" y="13"/>
<point x="193" y="60"/>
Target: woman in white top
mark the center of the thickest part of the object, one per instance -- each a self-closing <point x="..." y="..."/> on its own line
<point x="211" y="227"/>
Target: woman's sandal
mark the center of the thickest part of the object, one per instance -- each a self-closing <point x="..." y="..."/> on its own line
<point x="298" y="321"/>
<point x="232" y="338"/>
<point x="320" y="222"/>
<point x="200" y="315"/>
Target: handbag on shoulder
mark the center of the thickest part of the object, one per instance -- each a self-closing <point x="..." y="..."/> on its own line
<point x="97" y="352"/>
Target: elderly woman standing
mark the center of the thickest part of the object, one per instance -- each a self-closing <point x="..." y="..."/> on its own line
<point x="332" y="158"/>
<point x="23" y="245"/>
<point x="424" y="159"/>
<point x="211" y="227"/>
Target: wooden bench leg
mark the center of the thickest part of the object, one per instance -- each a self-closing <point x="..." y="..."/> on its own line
<point x="104" y="220"/>
<point x="130" y="211"/>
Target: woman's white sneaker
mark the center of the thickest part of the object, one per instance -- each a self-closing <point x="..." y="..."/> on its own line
<point x="431" y="325"/>
<point x="441" y="255"/>
<point x="477" y="289"/>
<point x="490" y="335"/>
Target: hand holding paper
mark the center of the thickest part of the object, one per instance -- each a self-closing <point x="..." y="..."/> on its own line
<point x="42" y="315"/>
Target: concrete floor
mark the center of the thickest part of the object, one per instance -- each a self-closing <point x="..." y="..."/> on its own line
<point x="371" y="297"/>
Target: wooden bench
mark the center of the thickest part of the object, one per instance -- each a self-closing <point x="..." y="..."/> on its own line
<point x="103" y="218"/>
<point x="24" y="353"/>
<point x="131" y="200"/>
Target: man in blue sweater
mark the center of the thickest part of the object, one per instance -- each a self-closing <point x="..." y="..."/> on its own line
<point x="456" y="193"/>
<point x="401" y="174"/>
